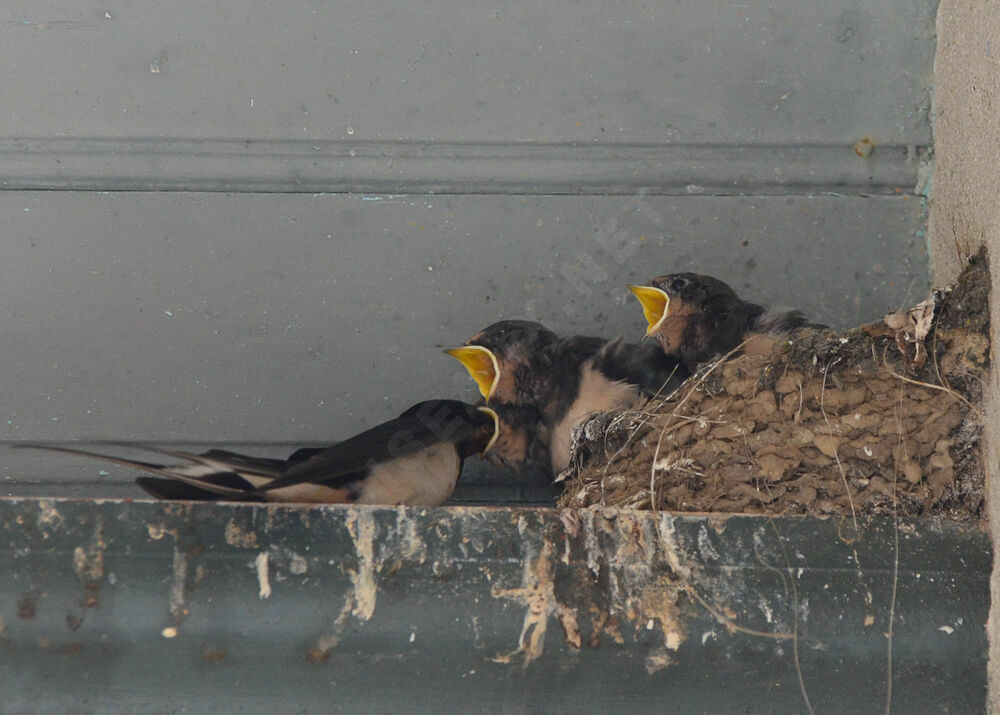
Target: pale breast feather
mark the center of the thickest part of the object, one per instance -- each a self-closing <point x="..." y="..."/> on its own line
<point x="597" y="394"/>
<point x="426" y="478"/>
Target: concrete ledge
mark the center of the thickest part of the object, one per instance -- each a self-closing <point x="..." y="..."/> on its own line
<point x="142" y="606"/>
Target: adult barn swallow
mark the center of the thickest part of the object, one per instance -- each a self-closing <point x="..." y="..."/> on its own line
<point x="567" y="379"/>
<point x="417" y="458"/>
<point x="414" y="459"/>
<point x="696" y="317"/>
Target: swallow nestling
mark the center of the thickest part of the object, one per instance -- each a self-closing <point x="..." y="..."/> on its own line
<point x="567" y="379"/>
<point x="522" y="441"/>
<point x="696" y="317"/>
<point x="415" y="459"/>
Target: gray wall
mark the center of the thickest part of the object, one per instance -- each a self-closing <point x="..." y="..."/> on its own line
<point x="258" y="223"/>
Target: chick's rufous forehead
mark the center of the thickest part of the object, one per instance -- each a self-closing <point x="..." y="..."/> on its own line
<point x="655" y="306"/>
<point x="482" y="366"/>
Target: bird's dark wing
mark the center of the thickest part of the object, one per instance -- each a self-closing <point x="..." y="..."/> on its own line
<point x="162" y="488"/>
<point x="783" y="322"/>
<point x="349" y="460"/>
<point x="202" y="476"/>
<point x="642" y="364"/>
<point x="221" y="459"/>
<point x="302" y="454"/>
<point x="581" y="347"/>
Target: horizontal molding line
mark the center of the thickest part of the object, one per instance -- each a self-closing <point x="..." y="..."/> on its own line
<point x="421" y="167"/>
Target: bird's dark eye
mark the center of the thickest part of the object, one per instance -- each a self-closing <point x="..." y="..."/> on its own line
<point x="679" y="283"/>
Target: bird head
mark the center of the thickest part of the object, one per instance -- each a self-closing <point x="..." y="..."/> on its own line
<point x="499" y="356"/>
<point x="519" y="439"/>
<point x="694" y="316"/>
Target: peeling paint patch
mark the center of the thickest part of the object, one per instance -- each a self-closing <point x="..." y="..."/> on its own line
<point x="570" y="519"/>
<point x="158" y="531"/>
<point x="88" y="562"/>
<point x="411" y="545"/>
<point x="537" y="593"/>
<point x="658" y="660"/>
<point x="282" y="557"/>
<point x="263" y="579"/>
<point x="297" y="565"/>
<point x="658" y="603"/>
<point x="236" y="536"/>
<point x="48" y="516"/>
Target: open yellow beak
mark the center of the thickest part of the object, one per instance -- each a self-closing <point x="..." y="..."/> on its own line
<point x="655" y="306"/>
<point x="482" y="366"/>
<point x="496" y="428"/>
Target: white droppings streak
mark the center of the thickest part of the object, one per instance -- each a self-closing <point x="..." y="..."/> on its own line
<point x="672" y="640"/>
<point x="411" y="545"/>
<point x="176" y="599"/>
<point x="263" y="576"/>
<point x="705" y="546"/>
<point x="765" y="608"/>
<point x="665" y="528"/>
<point x="591" y="545"/>
<point x="361" y="524"/>
<point x="360" y="599"/>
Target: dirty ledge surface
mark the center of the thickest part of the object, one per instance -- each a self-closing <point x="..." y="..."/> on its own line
<point x="151" y="606"/>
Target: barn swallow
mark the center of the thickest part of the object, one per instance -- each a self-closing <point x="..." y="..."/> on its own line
<point x="567" y="379"/>
<point x="522" y="441"/>
<point x="414" y="459"/>
<point x="696" y="317"/>
<point x="417" y="458"/>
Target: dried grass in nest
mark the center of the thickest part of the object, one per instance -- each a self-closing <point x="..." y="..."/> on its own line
<point x="883" y="416"/>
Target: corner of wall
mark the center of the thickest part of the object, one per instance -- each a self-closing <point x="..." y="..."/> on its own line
<point x="964" y="206"/>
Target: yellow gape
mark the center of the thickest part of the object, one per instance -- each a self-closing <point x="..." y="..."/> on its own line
<point x="482" y="366"/>
<point x="496" y="428"/>
<point x="655" y="305"/>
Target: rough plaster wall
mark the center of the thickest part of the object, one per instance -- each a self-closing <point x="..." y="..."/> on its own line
<point x="965" y="205"/>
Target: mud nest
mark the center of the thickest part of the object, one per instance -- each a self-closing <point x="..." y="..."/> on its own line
<point x="883" y="419"/>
